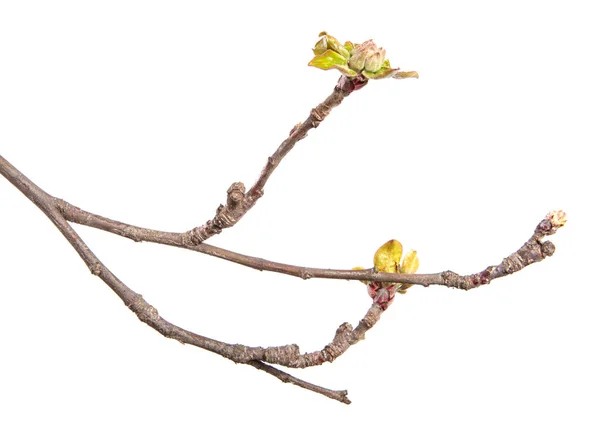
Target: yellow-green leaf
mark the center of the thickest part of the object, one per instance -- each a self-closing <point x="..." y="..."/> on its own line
<point x="388" y="257"/>
<point x="331" y="59"/>
<point x="410" y="264"/>
<point x="327" y="60"/>
<point x="331" y="43"/>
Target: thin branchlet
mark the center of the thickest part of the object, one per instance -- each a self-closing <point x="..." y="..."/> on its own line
<point x="238" y="201"/>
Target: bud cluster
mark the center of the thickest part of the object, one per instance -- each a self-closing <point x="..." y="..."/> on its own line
<point x="355" y="61"/>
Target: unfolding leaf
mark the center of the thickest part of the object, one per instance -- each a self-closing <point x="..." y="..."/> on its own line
<point x="327" y="60"/>
<point x="410" y="264"/>
<point x="328" y="42"/>
<point x="388" y="257"/>
<point x="331" y="59"/>
<point x="320" y="46"/>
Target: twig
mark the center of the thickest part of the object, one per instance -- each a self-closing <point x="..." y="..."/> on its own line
<point x="339" y="395"/>
<point x="238" y="201"/>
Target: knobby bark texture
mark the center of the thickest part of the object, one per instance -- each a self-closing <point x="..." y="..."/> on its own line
<point x="238" y="203"/>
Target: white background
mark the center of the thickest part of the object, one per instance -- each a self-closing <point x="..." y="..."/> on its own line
<point x="147" y="111"/>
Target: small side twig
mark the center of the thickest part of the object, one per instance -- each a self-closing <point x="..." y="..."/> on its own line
<point x="226" y="216"/>
<point x="238" y="201"/>
<point x="339" y="395"/>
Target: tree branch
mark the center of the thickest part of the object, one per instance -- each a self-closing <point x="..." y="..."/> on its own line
<point x="532" y="251"/>
<point x="238" y="203"/>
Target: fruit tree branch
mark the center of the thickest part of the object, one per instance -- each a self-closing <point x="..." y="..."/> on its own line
<point x="359" y="63"/>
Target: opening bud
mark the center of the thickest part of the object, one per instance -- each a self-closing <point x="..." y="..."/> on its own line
<point x="374" y="62"/>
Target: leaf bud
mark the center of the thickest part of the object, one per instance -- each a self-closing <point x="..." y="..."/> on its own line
<point x="374" y="62"/>
<point x="360" y="53"/>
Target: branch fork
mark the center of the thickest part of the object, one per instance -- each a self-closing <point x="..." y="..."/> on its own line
<point x="226" y="216"/>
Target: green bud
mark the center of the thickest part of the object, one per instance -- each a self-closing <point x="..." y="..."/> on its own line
<point x="360" y="53"/>
<point x="374" y="62"/>
<point x="355" y="61"/>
